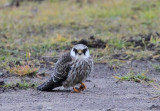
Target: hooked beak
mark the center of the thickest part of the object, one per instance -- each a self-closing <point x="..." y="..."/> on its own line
<point x="80" y="52"/>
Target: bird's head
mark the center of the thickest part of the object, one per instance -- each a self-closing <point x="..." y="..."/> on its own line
<point x="80" y="51"/>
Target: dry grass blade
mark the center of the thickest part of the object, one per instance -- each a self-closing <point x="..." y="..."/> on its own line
<point x="24" y="70"/>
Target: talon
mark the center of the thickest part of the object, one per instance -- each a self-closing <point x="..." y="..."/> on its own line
<point x="82" y="86"/>
<point x="75" y="90"/>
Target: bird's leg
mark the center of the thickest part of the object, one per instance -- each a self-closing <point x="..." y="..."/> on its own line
<point x="75" y="90"/>
<point x="82" y="86"/>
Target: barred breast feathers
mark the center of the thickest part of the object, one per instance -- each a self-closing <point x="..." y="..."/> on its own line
<point x="80" y="70"/>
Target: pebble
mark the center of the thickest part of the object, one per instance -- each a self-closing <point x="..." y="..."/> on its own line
<point x="1" y="82"/>
<point x="49" y="108"/>
<point x="1" y="73"/>
<point x="39" y="107"/>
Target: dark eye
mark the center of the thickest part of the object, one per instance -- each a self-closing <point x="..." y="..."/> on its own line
<point x="84" y="50"/>
<point x="75" y="50"/>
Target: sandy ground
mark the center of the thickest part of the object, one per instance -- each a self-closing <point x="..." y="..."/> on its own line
<point x="103" y="93"/>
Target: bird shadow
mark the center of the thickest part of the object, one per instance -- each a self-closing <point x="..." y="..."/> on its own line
<point x="60" y="91"/>
<point x="57" y="91"/>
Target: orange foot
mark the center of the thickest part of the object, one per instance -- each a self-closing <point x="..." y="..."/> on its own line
<point x="82" y="86"/>
<point x="75" y="90"/>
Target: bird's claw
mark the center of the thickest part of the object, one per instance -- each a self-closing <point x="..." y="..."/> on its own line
<point x="75" y="90"/>
<point x="82" y="86"/>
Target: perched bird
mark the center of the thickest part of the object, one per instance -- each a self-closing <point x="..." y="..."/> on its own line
<point x="72" y="68"/>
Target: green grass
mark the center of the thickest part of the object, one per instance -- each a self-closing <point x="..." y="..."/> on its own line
<point x="117" y="43"/>
<point x="156" y="67"/>
<point x="47" y="29"/>
<point x="20" y="85"/>
<point x="132" y="76"/>
<point x="115" y="63"/>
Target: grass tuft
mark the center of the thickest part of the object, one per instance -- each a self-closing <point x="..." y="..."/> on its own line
<point x="24" y="70"/>
<point x="132" y="76"/>
<point x="20" y="85"/>
<point x="156" y="67"/>
<point x="59" y="39"/>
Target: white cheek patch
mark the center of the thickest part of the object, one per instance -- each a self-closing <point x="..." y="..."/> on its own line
<point x="87" y="54"/>
<point x="72" y="53"/>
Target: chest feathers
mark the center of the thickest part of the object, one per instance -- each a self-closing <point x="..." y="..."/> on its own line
<point x="80" y="70"/>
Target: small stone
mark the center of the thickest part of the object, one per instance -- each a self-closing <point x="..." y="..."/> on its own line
<point x="155" y="107"/>
<point x="1" y="74"/>
<point x="39" y="107"/>
<point x="49" y="108"/>
<point x="1" y="82"/>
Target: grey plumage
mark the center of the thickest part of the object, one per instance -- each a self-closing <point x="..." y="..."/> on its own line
<point x="59" y="73"/>
<point x="71" y="69"/>
<point x="80" y="69"/>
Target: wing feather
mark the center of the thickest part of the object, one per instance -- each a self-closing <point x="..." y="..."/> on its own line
<point x="62" y="68"/>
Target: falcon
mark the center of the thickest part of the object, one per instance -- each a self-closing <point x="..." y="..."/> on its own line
<point x="72" y="68"/>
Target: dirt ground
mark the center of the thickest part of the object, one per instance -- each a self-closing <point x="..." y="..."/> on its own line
<point x="103" y="93"/>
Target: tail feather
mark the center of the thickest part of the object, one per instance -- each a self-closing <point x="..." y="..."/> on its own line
<point x="47" y="86"/>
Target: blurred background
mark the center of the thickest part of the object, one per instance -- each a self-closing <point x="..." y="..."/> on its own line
<point x="114" y="30"/>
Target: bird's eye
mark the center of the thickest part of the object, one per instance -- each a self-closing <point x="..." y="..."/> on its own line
<point x="75" y="50"/>
<point x="84" y="50"/>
